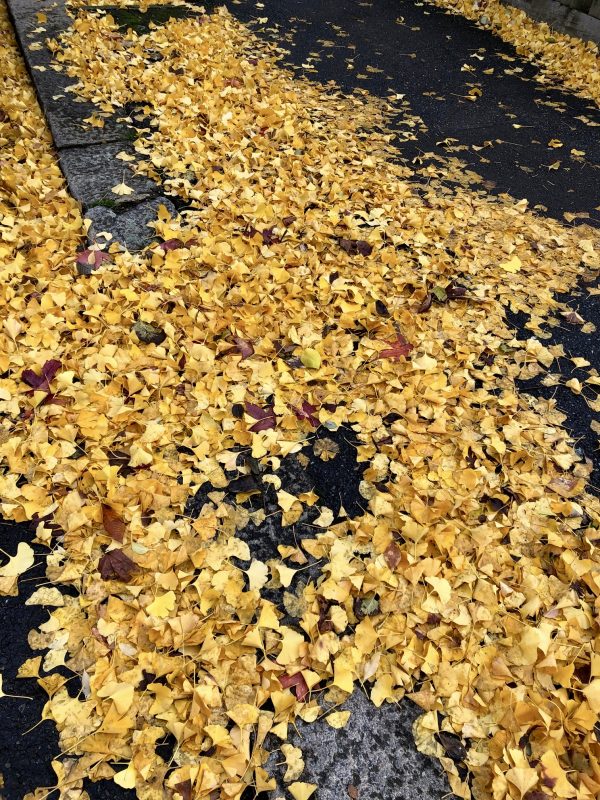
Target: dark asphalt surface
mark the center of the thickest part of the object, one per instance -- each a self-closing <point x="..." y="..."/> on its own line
<point x="422" y="58"/>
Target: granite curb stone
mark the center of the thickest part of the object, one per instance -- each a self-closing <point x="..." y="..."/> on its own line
<point x="93" y="171"/>
<point x="87" y="154"/>
<point x="130" y="226"/>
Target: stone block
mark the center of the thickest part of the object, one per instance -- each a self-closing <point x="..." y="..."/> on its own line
<point x="93" y="171"/>
<point x="129" y="226"/>
<point x="63" y="110"/>
<point x="375" y="753"/>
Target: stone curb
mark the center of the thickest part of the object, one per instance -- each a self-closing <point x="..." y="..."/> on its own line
<point x="576" y="17"/>
<point x="86" y="153"/>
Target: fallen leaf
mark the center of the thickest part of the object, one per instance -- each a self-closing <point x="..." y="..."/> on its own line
<point x="337" y="720"/>
<point x="113" y="524"/>
<point x="265" y="416"/>
<point x="302" y="791"/>
<point x="41" y="382"/>
<point x="310" y="358"/>
<point x="122" y="189"/>
<point x="19" y="563"/>
<point x="400" y="347"/>
<point x="512" y="265"/>
<point x="115" y="564"/>
<point x="297" y="683"/>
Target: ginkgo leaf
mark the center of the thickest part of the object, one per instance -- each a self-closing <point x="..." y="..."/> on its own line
<point x="311" y="358"/>
<point x="302" y="791"/>
<point x="126" y="778"/>
<point x="399" y="347"/>
<point x="19" y="563"/>
<point x="337" y="720"/>
<point x="122" y="189"/>
<point x="162" y="606"/>
<point x="181" y="402"/>
<point x="258" y="574"/>
<point x="512" y="265"/>
<point x="113" y="524"/>
<point x="46" y="596"/>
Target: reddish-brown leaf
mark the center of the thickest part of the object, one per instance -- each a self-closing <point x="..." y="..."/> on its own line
<point x="184" y="789"/>
<point x="399" y="347"/>
<point x="42" y="381"/>
<point x="116" y="565"/>
<point x="352" y="791"/>
<point x="244" y="346"/>
<point x="171" y="244"/>
<point x="297" y="683"/>
<point x="93" y="258"/>
<point x="426" y="304"/>
<point x="307" y="412"/>
<point x="265" y="416"/>
<point x="392" y="555"/>
<point x="113" y="524"/>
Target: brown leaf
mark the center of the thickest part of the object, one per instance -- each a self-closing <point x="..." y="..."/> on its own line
<point x="113" y="524"/>
<point x="184" y="789"/>
<point x="307" y="411"/>
<point x="454" y="292"/>
<point x="392" y="555"/>
<point x="399" y="347"/>
<point x="42" y="382"/>
<point x="171" y="244"/>
<point x="115" y="564"/>
<point x="453" y="746"/>
<point x="573" y="317"/>
<point x="90" y="260"/>
<point x="265" y="416"/>
<point x="295" y="682"/>
<point x="356" y="247"/>
<point x="426" y="304"/>
<point x="352" y="791"/>
<point x="244" y="347"/>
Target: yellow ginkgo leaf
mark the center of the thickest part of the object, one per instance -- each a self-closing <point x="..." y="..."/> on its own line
<point x="258" y="574"/>
<point x="339" y="719"/>
<point x="513" y="265"/>
<point x="19" y="563"/>
<point x="302" y="791"/>
<point x="310" y="358"/>
<point x="46" y="596"/>
<point x="161" y="606"/>
<point x="125" y="778"/>
<point x="122" y="189"/>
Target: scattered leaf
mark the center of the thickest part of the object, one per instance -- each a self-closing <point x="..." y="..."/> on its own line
<point x="115" y="564"/>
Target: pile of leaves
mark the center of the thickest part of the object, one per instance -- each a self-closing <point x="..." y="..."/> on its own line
<point x="312" y="281"/>
<point x="563" y="60"/>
